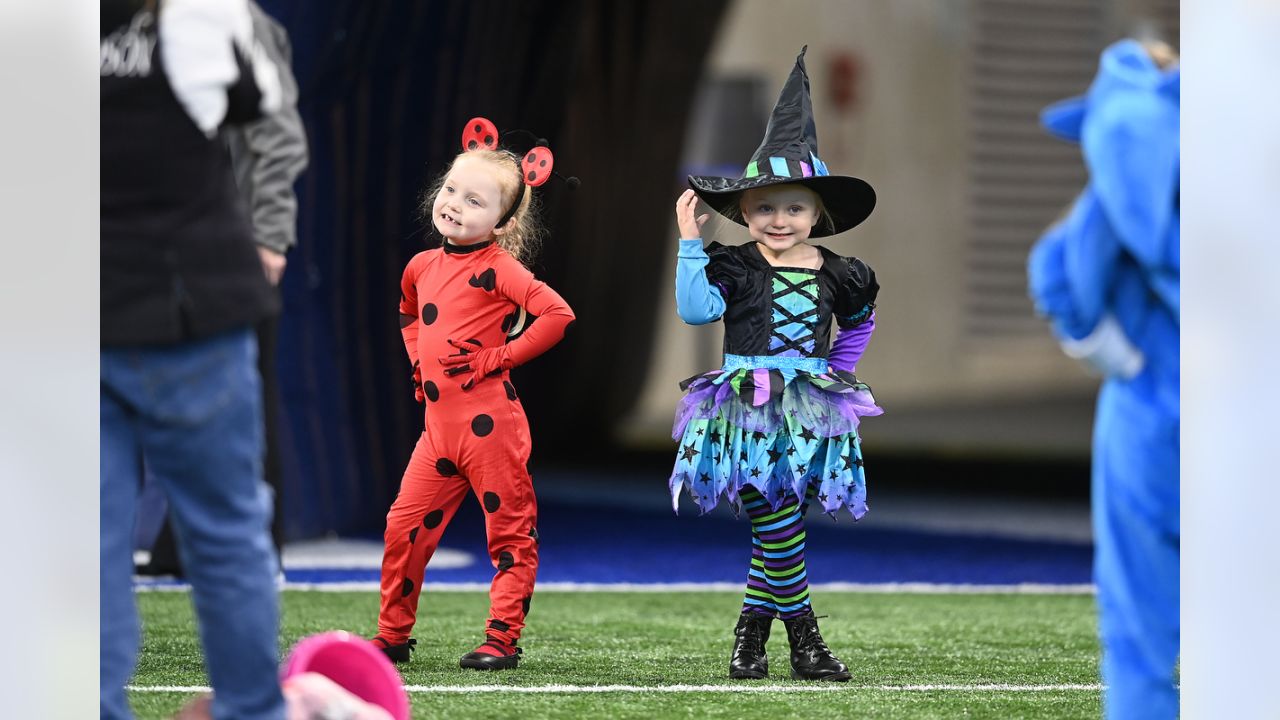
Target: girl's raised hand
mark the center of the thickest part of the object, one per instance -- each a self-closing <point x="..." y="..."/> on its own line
<point x="690" y="226"/>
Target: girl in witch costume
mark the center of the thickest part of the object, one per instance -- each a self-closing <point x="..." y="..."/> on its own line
<point x="460" y="305"/>
<point x="775" y="429"/>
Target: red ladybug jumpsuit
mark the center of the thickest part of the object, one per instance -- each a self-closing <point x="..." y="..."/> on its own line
<point x="474" y="439"/>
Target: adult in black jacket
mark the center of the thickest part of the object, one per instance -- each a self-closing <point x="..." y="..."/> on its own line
<point x="267" y="155"/>
<point x="182" y="288"/>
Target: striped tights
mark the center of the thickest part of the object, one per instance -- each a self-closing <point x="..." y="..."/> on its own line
<point x="777" y="584"/>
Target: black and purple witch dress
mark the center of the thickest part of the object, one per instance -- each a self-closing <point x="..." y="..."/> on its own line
<point x="780" y="418"/>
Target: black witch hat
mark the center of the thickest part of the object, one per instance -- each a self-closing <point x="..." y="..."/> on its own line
<point x="789" y="154"/>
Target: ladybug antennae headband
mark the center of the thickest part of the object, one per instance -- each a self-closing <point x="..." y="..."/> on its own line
<point x="536" y="165"/>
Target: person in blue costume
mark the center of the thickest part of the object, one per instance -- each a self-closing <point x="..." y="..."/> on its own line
<point x="1107" y="276"/>
<point x="776" y="428"/>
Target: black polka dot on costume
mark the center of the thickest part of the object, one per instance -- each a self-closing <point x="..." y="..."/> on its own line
<point x="431" y="391"/>
<point x="429" y="313"/>
<point x="472" y="144"/>
<point x="492" y="502"/>
<point x="498" y="625"/>
<point x="407" y="588"/>
<point x="511" y="389"/>
<point x="505" y="561"/>
<point x="413" y="535"/>
<point x="481" y="425"/>
<point x="479" y="128"/>
<point x="433" y="519"/>
<point x="486" y="280"/>
<point x="533" y="175"/>
<point x="533" y="533"/>
<point x="524" y="604"/>
<point x="488" y="139"/>
<point x="445" y="467"/>
<point x="542" y="164"/>
<point x="531" y="158"/>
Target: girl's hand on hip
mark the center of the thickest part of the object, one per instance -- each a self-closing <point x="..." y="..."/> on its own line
<point x="690" y="225"/>
<point x="480" y="362"/>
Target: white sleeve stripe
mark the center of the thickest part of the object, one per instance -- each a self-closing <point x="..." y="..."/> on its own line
<point x="267" y="77"/>
<point x="196" y="45"/>
<point x="265" y="74"/>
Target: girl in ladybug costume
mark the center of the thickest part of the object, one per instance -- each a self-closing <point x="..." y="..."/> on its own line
<point x="460" y="306"/>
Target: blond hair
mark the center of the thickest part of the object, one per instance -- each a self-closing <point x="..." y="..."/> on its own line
<point x="522" y="233"/>
<point x="1161" y="52"/>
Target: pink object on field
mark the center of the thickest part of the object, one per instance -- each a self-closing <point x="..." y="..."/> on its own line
<point x="355" y="664"/>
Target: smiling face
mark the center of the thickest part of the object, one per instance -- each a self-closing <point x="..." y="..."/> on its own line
<point x="470" y="202"/>
<point x="780" y="216"/>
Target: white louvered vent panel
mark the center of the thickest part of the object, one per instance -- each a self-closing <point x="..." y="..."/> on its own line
<point x="1025" y="54"/>
<point x="1152" y="16"/>
<point x="1163" y="15"/>
<point x="1168" y="13"/>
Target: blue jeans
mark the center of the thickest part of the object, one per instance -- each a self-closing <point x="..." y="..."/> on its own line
<point x="194" y="410"/>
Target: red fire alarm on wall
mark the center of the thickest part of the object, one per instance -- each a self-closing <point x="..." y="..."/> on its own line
<point x="843" y="74"/>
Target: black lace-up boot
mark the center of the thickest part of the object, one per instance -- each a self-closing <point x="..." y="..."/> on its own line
<point x="811" y="659"/>
<point x="749" y="661"/>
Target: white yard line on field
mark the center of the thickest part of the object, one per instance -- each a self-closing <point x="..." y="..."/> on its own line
<point x="641" y="689"/>
<point x="915" y="588"/>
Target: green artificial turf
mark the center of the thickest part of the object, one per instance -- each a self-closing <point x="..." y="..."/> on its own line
<point x="663" y="639"/>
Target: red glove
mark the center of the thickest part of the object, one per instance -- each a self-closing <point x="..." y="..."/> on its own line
<point x="417" y="383"/>
<point x="480" y="362"/>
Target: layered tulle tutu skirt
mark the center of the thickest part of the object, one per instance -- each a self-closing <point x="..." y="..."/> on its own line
<point x="781" y="430"/>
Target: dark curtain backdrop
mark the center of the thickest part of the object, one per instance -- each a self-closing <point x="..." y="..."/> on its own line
<point x="385" y="90"/>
